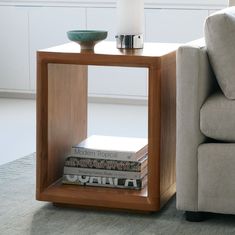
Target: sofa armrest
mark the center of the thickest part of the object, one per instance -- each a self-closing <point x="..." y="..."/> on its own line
<point x="195" y="82"/>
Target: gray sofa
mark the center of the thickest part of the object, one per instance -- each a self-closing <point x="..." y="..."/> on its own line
<point x="205" y="151"/>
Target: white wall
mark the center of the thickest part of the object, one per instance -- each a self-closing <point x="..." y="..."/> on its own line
<point x="111" y="3"/>
<point x="44" y="23"/>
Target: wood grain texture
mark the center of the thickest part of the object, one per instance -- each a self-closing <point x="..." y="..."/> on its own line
<point x="109" y="49"/>
<point x="98" y="196"/>
<point x="67" y="113"/>
<point x="61" y="118"/>
<point x="168" y="126"/>
<point x="62" y="122"/>
<point x="41" y="126"/>
<point x="154" y="134"/>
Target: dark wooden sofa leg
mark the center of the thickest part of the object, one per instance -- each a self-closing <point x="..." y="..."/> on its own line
<point x="193" y="216"/>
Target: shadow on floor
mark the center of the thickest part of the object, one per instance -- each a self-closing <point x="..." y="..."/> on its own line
<point x="57" y="220"/>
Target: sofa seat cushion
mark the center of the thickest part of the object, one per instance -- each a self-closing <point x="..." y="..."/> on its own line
<point x="217" y="118"/>
<point x="220" y="42"/>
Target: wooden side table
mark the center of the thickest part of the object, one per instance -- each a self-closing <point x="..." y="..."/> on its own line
<point x="62" y="122"/>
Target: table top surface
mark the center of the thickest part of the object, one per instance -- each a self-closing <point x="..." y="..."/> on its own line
<point x="109" y="48"/>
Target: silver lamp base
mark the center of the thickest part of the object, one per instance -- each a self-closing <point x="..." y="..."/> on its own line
<point x="130" y="41"/>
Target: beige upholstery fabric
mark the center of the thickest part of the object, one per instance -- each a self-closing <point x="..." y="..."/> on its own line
<point x="231" y="2"/>
<point x="194" y="83"/>
<point x="216" y="178"/>
<point x="217" y="118"/>
<point x="205" y="173"/>
<point x="220" y="42"/>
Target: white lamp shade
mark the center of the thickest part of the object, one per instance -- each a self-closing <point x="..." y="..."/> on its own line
<point x="130" y="17"/>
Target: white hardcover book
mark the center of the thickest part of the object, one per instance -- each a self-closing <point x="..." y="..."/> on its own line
<point x="105" y="181"/>
<point x="111" y="147"/>
<point x="105" y="173"/>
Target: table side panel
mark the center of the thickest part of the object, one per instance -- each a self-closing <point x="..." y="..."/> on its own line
<point x="154" y="121"/>
<point x="168" y="127"/>
<point x="41" y="126"/>
<point x="67" y="113"/>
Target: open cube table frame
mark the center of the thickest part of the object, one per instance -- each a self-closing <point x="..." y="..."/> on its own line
<point x="62" y="122"/>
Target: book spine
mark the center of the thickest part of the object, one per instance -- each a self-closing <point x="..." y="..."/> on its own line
<point x="104" y="181"/>
<point x="105" y="173"/>
<point x="106" y="164"/>
<point x="103" y="154"/>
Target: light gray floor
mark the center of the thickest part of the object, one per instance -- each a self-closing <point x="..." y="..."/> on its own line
<point x="18" y="124"/>
<point x="21" y="214"/>
<point x="17" y="128"/>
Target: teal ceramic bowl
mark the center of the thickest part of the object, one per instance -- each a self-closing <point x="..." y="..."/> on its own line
<point x="87" y="39"/>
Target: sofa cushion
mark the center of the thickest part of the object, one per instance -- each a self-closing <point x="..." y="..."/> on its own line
<point x="217" y="118"/>
<point x="220" y="41"/>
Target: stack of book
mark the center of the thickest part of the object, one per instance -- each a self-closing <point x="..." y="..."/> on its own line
<point x="108" y="161"/>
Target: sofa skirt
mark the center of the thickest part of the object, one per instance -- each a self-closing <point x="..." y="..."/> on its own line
<point x="216" y="178"/>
